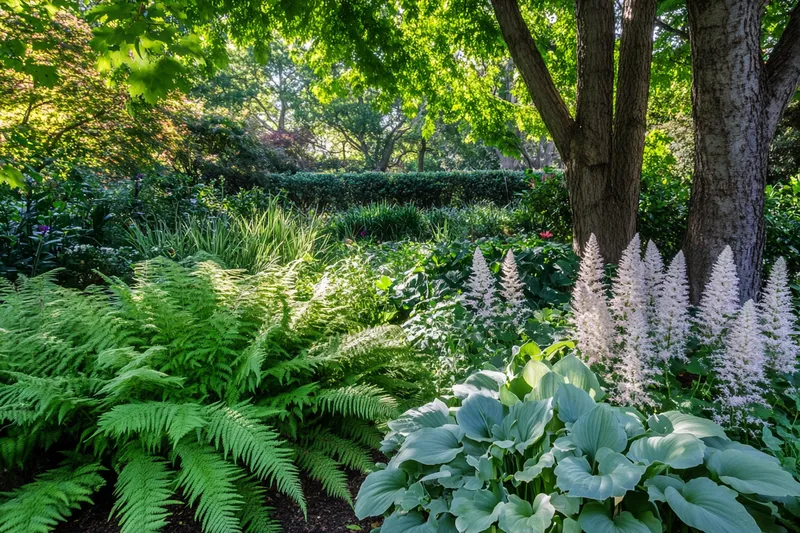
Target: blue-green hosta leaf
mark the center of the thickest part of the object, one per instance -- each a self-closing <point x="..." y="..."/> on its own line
<point x="599" y="428"/>
<point x="527" y="421"/>
<point x="483" y="467"/>
<point x="616" y="476"/>
<point x="520" y="516"/>
<point x="413" y="497"/>
<point x="478" y="414"/>
<point x="412" y="522"/>
<point x="547" y="388"/>
<point x="380" y="491"/>
<point x="594" y="518"/>
<point x="572" y="403"/>
<point x="565" y="447"/>
<point x="678" y="450"/>
<point x="534" y="371"/>
<point x="571" y="526"/>
<point x="694" y="425"/>
<point x="658" y="484"/>
<point x="660" y="424"/>
<point x="750" y="475"/>
<point x="566" y="505"/>
<point x="576" y="373"/>
<point x="716" y="443"/>
<point x="631" y="421"/>
<point x="431" y="415"/>
<point x="475" y="510"/>
<point x="704" y="505"/>
<point x="533" y="467"/>
<point x="429" y="446"/>
<point x="485" y="382"/>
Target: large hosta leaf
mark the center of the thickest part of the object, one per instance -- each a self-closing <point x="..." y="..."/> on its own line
<point x="616" y="476"/>
<point x="658" y="484"/>
<point x="599" y="428"/>
<point x="693" y="425"/>
<point x="704" y="505"/>
<point x="379" y="492"/>
<point x="678" y="450"/>
<point x="572" y="403"/>
<point x="576" y="373"/>
<point x="750" y="475"/>
<point x="431" y="415"/>
<point x="716" y="443"/>
<point x="525" y="423"/>
<point x="429" y="446"/>
<point x="520" y="516"/>
<point x="478" y="414"/>
<point x="548" y="386"/>
<point x="594" y="518"/>
<point x="533" y="467"/>
<point x="485" y="382"/>
<point x="534" y="371"/>
<point x="475" y="510"/>
<point x="412" y="522"/>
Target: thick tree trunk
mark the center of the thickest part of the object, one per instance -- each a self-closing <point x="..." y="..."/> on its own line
<point x="736" y="100"/>
<point x="423" y="144"/>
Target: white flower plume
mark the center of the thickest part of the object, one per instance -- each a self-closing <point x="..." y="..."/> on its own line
<point x="481" y="295"/>
<point x="513" y="289"/>
<point x="591" y="321"/>
<point x="653" y="276"/>
<point x="672" y="319"/>
<point x="778" y="321"/>
<point x="720" y="300"/>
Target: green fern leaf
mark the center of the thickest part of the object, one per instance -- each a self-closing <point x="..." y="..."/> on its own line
<point x="363" y="401"/>
<point x="255" y="516"/>
<point x="151" y="419"/>
<point x="327" y="471"/>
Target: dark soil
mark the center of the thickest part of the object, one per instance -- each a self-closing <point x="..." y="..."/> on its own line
<point x="324" y="513"/>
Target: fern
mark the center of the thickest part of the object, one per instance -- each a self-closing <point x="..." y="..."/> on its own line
<point x="143" y="491"/>
<point x="327" y="471"/>
<point x="39" y="506"/>
<point x="363" y="401"/>
<point x="343" y="450"/>
<point x="255" y="516"/>
<point x="152" y="419"/>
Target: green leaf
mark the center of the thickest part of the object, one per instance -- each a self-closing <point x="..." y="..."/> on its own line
<point x="475" y="510"/>
<point x="534" y="371"/>
<point x="578" y="374"/>
<point x="599" y="428"/>
<point x="704" y="505"/>
<point x="750" y="475"/>
<point x="678" y="450"/>
<point x="431" y="415"/>
<point x="429" y="446"/>
<point x="519" y="516"/>
<point x="616" y="476"/>
<point x="412" y="522"/>
<point x="379" y="492"/>
<point x="12" y="176"/>
<point x="658" y="484"/>
<point x="533" y="467"/>
<point x="525" y="423"/>
<point x="694" y="425"/>
<point x="486" y="382"/>
<point x="594" y="518"/>
<point x="572" y="403"/>
<point x="548" y="386"/>
<point x="478" y="414"/>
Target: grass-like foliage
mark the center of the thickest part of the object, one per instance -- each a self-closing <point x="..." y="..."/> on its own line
<point x="194" y="384"/>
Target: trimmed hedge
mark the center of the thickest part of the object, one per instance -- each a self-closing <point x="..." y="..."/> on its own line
<point x="424" y="189"/>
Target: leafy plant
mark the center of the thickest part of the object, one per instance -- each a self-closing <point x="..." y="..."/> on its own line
<point x="535" y="448"/>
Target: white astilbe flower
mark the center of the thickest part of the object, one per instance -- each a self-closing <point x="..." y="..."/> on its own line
<point x="777" y="320"/>
<point x="720" y="300"/>
<point x="672" y="320"/>
<point x="481" y="293"/>
<point x="512" y="289"/>
<point x="653" y="276"/>
<point x="591" y="321"/>
<point x="739" y="368"/>
<point x="630" y="287"/>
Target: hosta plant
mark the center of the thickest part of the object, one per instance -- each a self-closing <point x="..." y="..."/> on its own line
<point x="538" y="450"/>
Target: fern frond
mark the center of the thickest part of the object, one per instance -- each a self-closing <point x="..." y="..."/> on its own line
<point x="30" y="398"/>
<point x="327" y="471"/>
<point x="238" y="431"/>
<point x="152" y="419"/>
<point x="344" y="451"/>
<point x="209" y="481"/>
<point x="363" y="401"/>
<point x="143" y="491"/>
<point x="361" y="431"/>
<point x="255" y="516"/>
<point x="137" y="380"/>
<point x="39" y="506"/>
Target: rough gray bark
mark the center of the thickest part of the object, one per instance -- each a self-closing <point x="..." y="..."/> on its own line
<point x="737" y="101"/>
<point x="604" y="196"/>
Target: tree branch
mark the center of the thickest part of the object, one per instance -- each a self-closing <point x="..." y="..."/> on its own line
<point x="783" y="71"/>
<point x="672" y="29"/>
<point x="534" y="72"/>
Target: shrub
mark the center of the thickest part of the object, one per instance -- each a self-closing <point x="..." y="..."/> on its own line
<point x="195" y="380"/>
<point x="535" y="449"/>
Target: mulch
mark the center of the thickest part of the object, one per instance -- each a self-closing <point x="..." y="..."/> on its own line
<point x="325" y="514"/>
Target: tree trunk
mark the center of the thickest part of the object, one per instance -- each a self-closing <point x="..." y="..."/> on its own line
<point x="423" y="145"/>
<point x="737" y="100"/>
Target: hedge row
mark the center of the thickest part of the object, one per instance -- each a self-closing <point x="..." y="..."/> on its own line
<point x="424" y="189"/>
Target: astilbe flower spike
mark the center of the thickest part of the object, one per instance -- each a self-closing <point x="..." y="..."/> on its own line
<point x="739" y="368"/>
<point x="591" y="321"/>
<point x="720" y="300"/>
<point x="672" y="320"/>
<point x="513" y="289"/>
<point x="481" y="294"/>
<point x="654" y="275"/>
<point x="778" y="321"/>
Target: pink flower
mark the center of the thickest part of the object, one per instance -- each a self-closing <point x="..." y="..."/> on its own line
<point x="545" y="234"/>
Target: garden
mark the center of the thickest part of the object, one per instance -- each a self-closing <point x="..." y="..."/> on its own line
<point x="350" y="266"/>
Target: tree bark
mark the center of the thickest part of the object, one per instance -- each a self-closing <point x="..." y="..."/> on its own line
<point x="423" y="145"/>
<point x="736" y="103"/>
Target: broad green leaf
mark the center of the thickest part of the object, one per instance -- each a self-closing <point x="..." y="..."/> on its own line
<point x="534" y="371"/>
<point x="572" y="403"/>
<point x="616" y="476"/>
<point x="594" y="518"/>
<point x="694" y="425"/>
<point x="678" y="450"/>
<point x="475" y="510"/>
<point x="12" y="176"/>
<point x="599" y="428"/>
<point x="631" y="421"/>
<point x="658" y="484"/>
<point x="571" y="526"/>
<point x="429" y="446"/>
<point x="529" y="421"/>
<point x="486" y="382"/>
<point x="750" y="475"/>
<point x="566" y="505"/>
<point x="547" y="388"/>
<point x="716" y="443"/>
<point x="379" y="492"/>
<point x="431" y="415"/>
<point x="533" y="467"/>
<point x="478" y="414"/>
<point x="520" y="516"/>
<point x="704" y="505"/>
<point x="577" y="373"/>
<point x="660" y="424"/>
<point x="412" y="522"/>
